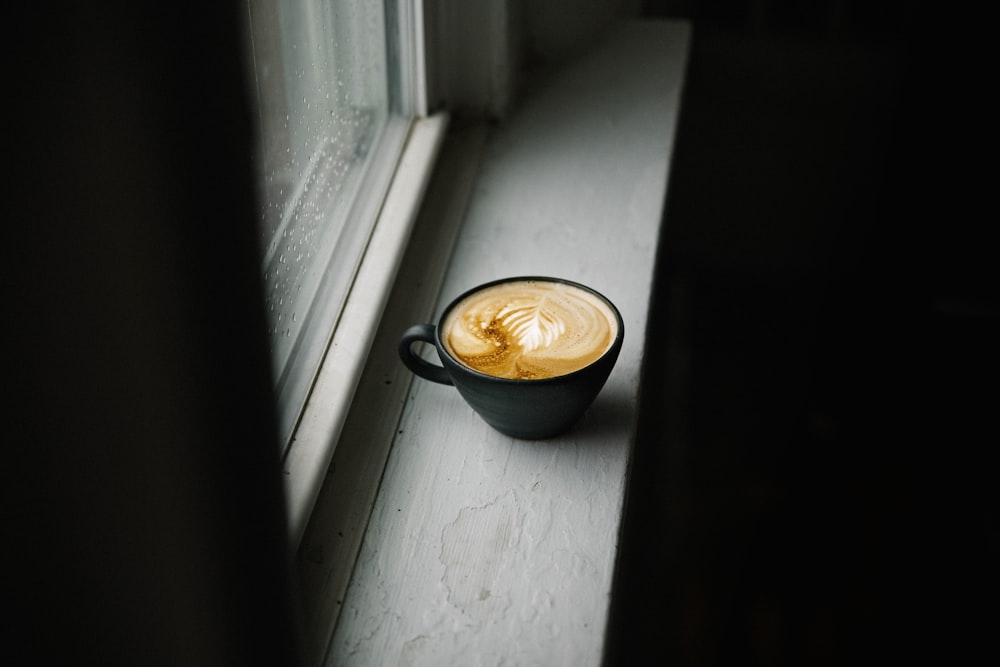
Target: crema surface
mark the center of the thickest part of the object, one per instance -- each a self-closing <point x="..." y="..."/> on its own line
<point x="529" y="330"/>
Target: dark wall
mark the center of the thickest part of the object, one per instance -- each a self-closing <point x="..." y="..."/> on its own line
<point x="145" y="518"/>
<point x="812" y="482"/>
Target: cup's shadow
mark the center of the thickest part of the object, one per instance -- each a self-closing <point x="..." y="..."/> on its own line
<point x="604" y="422"/>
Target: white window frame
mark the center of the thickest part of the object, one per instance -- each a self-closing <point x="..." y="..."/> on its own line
<point x="317" y="432"/>
<point x="316" y="289"/>
<point x="442" y="66"/>
<point x="313" y="410"/>
<point x="463" y="59"/>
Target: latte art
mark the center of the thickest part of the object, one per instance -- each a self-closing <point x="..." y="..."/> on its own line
<point x="529" y="329"/>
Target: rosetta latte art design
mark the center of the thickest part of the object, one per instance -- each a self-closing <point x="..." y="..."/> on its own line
<point x="529" y="329"/>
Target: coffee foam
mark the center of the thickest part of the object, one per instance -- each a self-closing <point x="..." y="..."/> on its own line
<point x="529" y="329"/>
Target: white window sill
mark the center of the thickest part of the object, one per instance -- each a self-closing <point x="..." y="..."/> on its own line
<point x="477" y="544"/>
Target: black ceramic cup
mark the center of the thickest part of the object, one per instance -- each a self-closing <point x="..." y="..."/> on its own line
<point x="522" y="408"/>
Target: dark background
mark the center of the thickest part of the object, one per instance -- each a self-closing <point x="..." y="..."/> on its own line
<point x="144" y="519"/>
<point x="811" y="481"/>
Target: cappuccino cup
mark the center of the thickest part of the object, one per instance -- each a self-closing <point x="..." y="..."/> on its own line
<point x="528" y="354"/>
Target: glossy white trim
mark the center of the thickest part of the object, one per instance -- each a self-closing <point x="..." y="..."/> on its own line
<point x="315" y="437"/>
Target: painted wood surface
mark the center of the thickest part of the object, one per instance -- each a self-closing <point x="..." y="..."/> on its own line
<point x="482" y="549"/>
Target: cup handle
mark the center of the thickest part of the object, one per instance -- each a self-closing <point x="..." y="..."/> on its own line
<point x="417" y="364"/>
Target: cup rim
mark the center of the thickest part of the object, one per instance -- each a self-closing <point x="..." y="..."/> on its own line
<point x="615" y="344"/>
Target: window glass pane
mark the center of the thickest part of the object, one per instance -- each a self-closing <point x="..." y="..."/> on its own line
<point x="321" y="72"/>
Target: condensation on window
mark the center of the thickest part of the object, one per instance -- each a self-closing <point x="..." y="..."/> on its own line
<point x="320" y="72"/>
